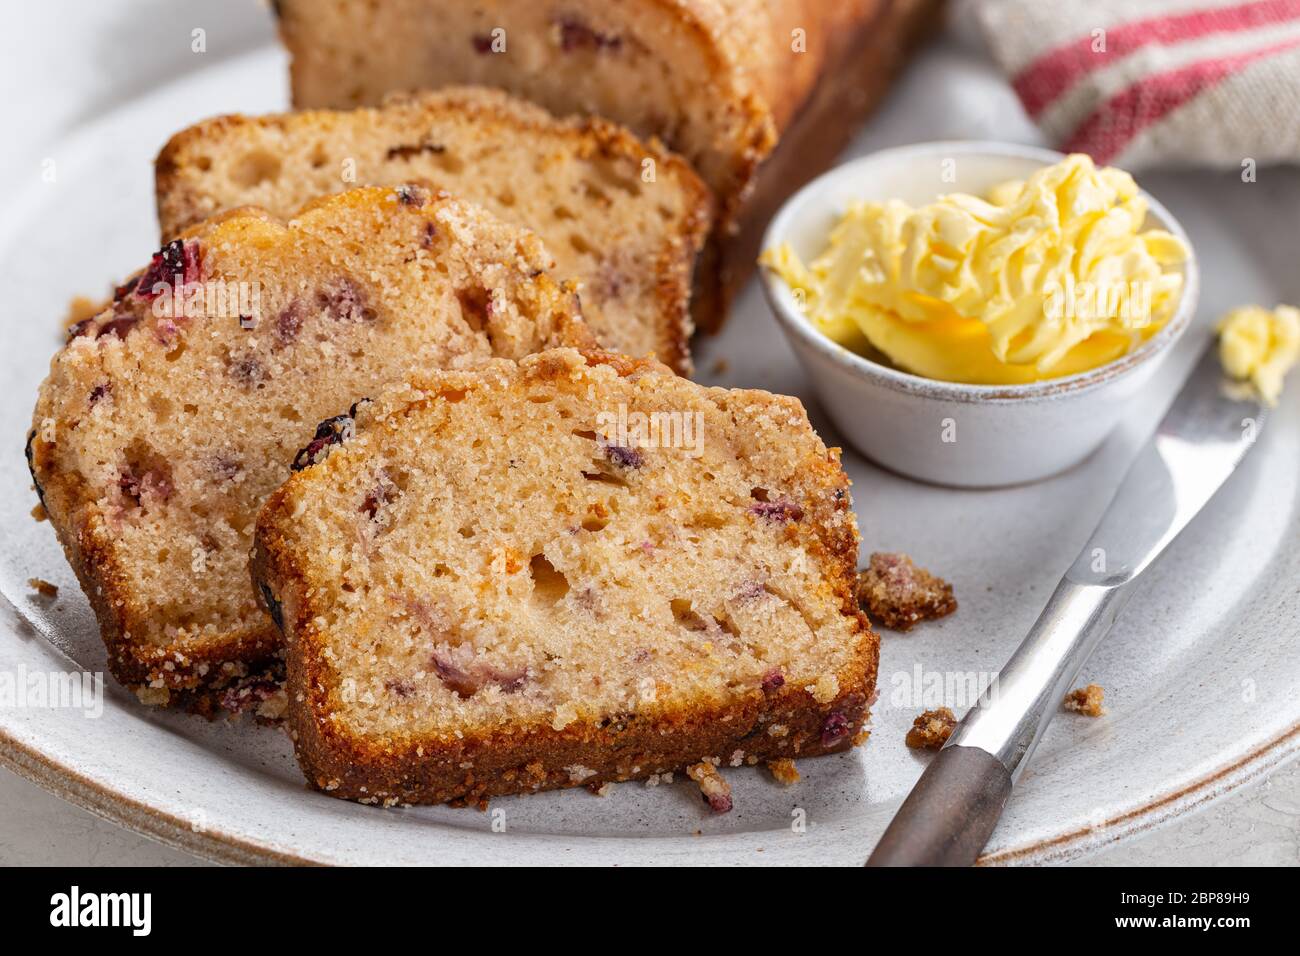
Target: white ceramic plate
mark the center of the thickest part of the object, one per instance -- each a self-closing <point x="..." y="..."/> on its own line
<point x="1202" y="674"/>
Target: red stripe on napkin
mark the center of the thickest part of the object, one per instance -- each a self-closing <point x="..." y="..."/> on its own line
<point x="1040" y="83"/>
<point x="1112" y="126"/>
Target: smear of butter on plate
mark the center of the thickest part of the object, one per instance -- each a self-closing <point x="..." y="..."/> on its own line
<point x="1258" y="346"/>
<point x="1040" y="279"/>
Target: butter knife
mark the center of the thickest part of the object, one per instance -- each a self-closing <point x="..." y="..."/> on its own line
<point x="951" y="811"/>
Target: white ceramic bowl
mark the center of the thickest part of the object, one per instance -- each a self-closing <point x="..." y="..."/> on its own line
<point x="945" y="432"/>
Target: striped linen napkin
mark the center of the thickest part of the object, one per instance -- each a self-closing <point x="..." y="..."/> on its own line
<point x="1141" y="83"/>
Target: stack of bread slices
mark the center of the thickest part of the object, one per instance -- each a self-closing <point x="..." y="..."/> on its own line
<point x="393" y="436"/>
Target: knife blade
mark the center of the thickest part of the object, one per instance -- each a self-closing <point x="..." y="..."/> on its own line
<point x="953" y="808"/>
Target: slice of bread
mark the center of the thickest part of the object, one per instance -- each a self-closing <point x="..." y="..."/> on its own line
<point x="573" y="569"/>
<point x="623" y="218"/>
<point x="168" y="418"/>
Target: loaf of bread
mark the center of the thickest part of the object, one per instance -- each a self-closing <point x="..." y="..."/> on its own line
<point x="623" y="218"/>
<point x="719" y="82"/>
<point x="167" y="419"/>
<point x="574" y="569"/>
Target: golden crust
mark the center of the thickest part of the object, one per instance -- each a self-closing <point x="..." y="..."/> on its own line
<point x="477" y="764"/>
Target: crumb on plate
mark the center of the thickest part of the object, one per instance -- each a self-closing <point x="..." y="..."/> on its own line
<point x="713" y="786"/>
<point x="932" y="729"/>
<point x="1086" y="701"/>
<point x="784" y="771"/>
<point x="44" y="588"/>
<point x="898" y="594"/>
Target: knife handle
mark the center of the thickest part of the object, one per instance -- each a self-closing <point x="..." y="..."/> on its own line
<point x="948" y="816"/>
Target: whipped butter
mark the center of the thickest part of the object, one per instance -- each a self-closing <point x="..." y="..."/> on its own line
<point x="1258" y="346"/>
<point x="1038" y="279"/>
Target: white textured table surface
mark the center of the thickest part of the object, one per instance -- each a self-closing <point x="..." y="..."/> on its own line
<point x="1259" y="826"/>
